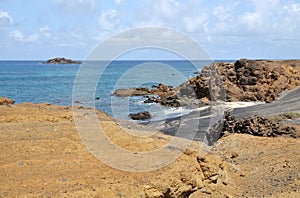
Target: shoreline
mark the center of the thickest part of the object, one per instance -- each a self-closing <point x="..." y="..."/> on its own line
<point x="43" y="153"/>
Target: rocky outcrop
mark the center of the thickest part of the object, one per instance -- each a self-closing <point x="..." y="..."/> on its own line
<point x="165" y="95"/>
<point x="6" y="101"/>
<point x="131" y="92"/>
<point x="61" y="61"/>
<point x="244" y="80"/>
<point x="162" y="94"/>
<point x="145" y="115"/>
<point x="256" y="125"/>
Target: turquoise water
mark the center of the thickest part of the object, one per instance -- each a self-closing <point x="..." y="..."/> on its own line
<point x="31" y="81"/>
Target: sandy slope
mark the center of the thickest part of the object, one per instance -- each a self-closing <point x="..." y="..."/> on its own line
<point x="42" y="155"/>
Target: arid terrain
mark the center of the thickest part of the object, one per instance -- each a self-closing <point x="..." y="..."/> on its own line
<point x="42" y="155"/>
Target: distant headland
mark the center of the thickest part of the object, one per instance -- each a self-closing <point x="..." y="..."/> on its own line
<point x="62" y="60"/>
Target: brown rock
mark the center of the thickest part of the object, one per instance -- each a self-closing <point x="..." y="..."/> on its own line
<point x="131" y="92"/>
<point x="244" y="80"/>
<point x="6" y="101"/>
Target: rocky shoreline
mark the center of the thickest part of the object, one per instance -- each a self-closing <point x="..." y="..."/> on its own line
<point x="43" y="155"/>
<point x="243" y="80"/>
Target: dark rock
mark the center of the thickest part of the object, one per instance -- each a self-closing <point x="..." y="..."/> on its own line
<point x="187" y="91"/>
<point x="140" y="116"/>
<point x="165" y="95"/>
<point x="61" y="61"/>
<point x="248" y="80"/>
<point x="256" y="125"/>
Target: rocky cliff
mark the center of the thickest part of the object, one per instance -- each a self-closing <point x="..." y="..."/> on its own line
<point x="243" y="80"/>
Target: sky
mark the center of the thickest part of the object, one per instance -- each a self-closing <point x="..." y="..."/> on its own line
<point x="231" y="29"/>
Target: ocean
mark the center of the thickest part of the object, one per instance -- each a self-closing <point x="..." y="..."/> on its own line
<point x="32" y="81"/>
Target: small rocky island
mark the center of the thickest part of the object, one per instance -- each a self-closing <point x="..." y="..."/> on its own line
<point x="62" y="60"/>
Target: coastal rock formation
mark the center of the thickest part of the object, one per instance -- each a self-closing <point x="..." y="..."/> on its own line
<point x="244" y="80"/>
<point x="256" y="125"/>
<point x="61" y="61"/>
<point x="145" y="115"/>
<point x="165" y="96"/>
<point x="127" y="92"/>
<point x="162" y="94"/>
<point x="6" y="101"/>
<point x="160" y="90"/>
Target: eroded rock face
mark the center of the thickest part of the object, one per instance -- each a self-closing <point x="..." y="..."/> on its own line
<point x="256" y="125"/>
<point x="244" y="80"/>
<point x="6" y="101"/>
<point x="61" y="61"/>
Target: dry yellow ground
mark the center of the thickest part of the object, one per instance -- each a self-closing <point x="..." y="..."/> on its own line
<point x="42" y="155"/>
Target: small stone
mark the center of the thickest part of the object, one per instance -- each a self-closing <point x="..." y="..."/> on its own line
<point x="234" y="155"/>
<point x="21" y="164"/>
<point x="214" y="178"/>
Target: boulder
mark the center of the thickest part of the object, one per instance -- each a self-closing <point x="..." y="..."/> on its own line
<point x="151" y="99"/>
<point x="145" y="115"/>
<point x="6" y="101"/>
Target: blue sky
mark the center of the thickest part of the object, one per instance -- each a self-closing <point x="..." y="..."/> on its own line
<point x="232" y="29"/>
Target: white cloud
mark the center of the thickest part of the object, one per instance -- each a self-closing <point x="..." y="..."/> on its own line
<point x="19" y="36"/>
<point x="194" y="24"/>
<point x="118" y="1"/>
<point x="75" y="6"/>
<point x="295" y="7"/>
<point x="164" y="8"/>
<point x="5" y="19"/>
<point x="109" y="20"/>
<point x="45" y="31"/>
<point x="253" y="21"/>
<point x="169" y="8"/>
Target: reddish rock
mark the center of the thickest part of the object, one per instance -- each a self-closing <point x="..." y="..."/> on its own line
<point x="6" y="101"/>
<point x="244" y="80"/>
<point x="131" y="92"/>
